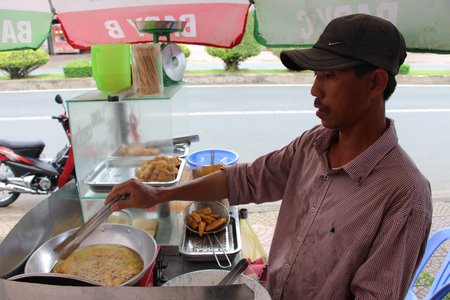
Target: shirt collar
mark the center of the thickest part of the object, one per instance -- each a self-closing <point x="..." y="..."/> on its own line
<point x="361" y="166"/>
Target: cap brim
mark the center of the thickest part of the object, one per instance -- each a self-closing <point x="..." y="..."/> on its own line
<point x="316" y="59"/>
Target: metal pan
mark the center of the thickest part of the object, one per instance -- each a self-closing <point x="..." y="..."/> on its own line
<point x="44" y="258"/>
<point x="114" y="171"/>
<point x="217" y="208"/>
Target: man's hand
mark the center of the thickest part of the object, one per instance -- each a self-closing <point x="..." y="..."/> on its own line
<point x="141" y="195"/>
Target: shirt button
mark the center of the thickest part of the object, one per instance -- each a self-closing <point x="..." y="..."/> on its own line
<point x="300" y="238"/>
<point x="287" y="266"/>
<point x="313" y="209"/>
<point x="325" y="178"/>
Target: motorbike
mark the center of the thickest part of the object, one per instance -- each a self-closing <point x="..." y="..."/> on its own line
<point x="23" y="170"/>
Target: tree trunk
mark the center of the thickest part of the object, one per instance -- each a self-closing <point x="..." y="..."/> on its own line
<point x="232" y="66"/>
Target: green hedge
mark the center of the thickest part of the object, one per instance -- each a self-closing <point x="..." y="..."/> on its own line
<point x="77" y="69"/>
<point x="185" y="49"/>
<point x="404" y="69"/>
<point x="20" y="63"/>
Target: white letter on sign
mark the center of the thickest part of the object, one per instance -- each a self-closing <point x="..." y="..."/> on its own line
<point x="191" y="27"/>
<point x="8" y="32"/>
<point x="388" y="11"/>
<point x="24" y="31"/>
<point x="114" y="29"/>
<point x="307" y="29"/>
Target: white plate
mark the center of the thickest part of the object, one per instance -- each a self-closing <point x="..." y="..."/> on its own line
<point x="213" y="277"/>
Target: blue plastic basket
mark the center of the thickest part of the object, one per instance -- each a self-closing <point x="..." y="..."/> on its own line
<point x="203" y="158"/>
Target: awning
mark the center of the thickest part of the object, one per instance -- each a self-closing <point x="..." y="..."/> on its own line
<point x="209" y="22"/>
<point x="24" y="24"/>
<point x="425" y="24"/>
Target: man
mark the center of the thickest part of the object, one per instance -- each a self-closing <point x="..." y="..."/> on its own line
<point x="356" y="211"/>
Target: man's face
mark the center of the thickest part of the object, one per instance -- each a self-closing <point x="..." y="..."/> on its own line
<point x="342" y="100"/>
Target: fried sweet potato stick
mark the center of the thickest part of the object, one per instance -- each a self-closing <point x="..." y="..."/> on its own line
<point x="216" y="224"/>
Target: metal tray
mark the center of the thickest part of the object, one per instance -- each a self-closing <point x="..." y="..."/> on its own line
<point x="181" y="150"/>
<point x="114" y="171"/>
<point x="196" y="248"/>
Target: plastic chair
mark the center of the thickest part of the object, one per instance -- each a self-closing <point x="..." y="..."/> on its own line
<point x="443" y="275"/>
<point x="441" y="293"/>
<point x="442" y="278"/>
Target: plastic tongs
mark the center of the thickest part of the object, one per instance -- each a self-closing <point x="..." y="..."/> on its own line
<point x="67" y="246"/>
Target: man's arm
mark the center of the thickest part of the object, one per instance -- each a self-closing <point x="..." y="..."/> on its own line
<point x="212" y="187"/>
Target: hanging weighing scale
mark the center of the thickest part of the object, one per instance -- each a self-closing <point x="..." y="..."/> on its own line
<point x="173" y="58"/>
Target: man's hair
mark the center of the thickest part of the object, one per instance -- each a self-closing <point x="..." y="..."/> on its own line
<point x="362" y="70"/>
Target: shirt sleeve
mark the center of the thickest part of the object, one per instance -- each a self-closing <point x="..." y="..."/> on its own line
<point x="264" y="179"/>
<point x="396" y="252"/>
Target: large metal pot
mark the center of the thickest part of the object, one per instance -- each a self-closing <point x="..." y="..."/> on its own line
<point x="43" y="259"/>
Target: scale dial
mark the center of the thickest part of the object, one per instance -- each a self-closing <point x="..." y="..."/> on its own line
<point x="174" y="62"/>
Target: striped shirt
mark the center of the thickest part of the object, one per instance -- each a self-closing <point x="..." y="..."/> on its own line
<point x="356" y="232"/>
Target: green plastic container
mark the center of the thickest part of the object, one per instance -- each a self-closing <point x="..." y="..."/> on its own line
<point x="111" y="67"/>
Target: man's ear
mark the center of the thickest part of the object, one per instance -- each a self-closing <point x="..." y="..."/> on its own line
<point x="378" y="81"/>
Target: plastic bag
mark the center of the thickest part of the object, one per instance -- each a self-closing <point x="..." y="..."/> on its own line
<point x="252" y="250"/>
<point x="251" y="245"/>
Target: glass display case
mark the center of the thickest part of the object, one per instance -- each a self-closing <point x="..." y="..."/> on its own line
<point x="113" y="139"/>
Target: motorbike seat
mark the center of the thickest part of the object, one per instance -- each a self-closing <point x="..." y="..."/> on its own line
<point x="25" y="148"/>
<point x="46" y="166"/>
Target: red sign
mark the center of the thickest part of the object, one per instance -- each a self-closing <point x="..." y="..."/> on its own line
<point x="209" y="23"/>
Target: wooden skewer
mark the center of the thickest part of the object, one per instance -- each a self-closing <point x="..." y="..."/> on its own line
<point x="147" y="75"/>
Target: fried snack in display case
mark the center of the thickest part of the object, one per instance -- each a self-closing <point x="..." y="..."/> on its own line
<point x="159" y="169"/>
<point x="156" y="172"/>
<point x="137" y="150"/>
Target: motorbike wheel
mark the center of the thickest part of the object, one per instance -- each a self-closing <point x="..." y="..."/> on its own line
<point x="7" y="197"/>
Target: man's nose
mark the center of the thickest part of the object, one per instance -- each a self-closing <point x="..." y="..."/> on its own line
<point x="316" y="90"/>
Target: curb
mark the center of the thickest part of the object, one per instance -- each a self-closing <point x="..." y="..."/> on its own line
<point x="46" y="84"/>
<point x="194" y="79"/>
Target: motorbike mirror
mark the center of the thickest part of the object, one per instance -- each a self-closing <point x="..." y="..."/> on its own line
<point x="59" y="99"/>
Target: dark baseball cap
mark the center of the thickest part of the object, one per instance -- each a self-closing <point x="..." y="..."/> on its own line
<point x="350" y="41"/>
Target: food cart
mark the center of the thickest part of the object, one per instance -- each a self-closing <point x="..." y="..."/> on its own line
<point x="103" y="128"/>
<point x="114" y="134"/>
